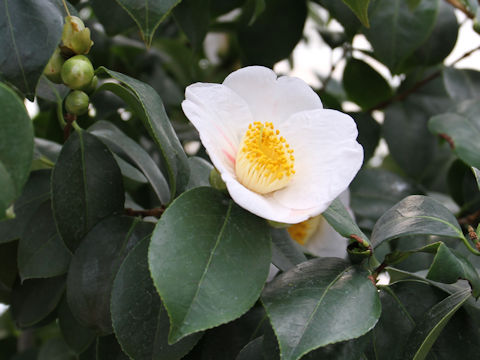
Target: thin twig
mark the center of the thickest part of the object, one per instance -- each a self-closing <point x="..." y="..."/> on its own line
<point x="419" y="84"/>
<point x="155" y="212"/>
<point x="66" y="7"/>
<point x="457" y="4"/>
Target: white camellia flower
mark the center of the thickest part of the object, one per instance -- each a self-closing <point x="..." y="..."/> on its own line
<point x="318" y="237"/>
<point x="282" y="156"/>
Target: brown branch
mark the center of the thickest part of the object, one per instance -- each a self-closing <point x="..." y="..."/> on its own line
<point x="457" y="4"/>
<point x="469" y="219"/>
<point x="419" y="84"/>
<point x="70" y="119"/>
<point x="155" y="212"/>
<point x="448" y="139"/>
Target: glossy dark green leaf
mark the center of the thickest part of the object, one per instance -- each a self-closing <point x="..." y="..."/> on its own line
<point x="368" y="133"/>
<point x="109" y="349"/>
<point x="112" y="16"/>
<point x="345" y="350"/>
<point x="225" y="254"/>
<point x="441" y="41"/>
<point x="260" y="45"/>
<point x="358" y="75"/>
<point x="252" y="351"/>
<point x="148" y="15"/>
<point x="148" y="106"/>
<point x="374" y="191"/>
<point x="86" y="187"/>
<point x="340" y="11"/>
<point x="35" y="192"/>
<point x="396" y="31"/>
<point x="286" y="253"/>
<point x="476" y="173"/>
<point x="463" y="186"/>
<point x="102" y="249"/>
<point x="56" y="349"/>
<point x="416" y="215"/>
<point x="8" y="269"/>
<point x="140" y="321"/>
<point x="427" y="331"/>
<point x="462" y="127"/>
<point x="16" y="145"/>
<point x="118" y="141"/>
<point x="78" y="337"/>
<point x="360" y="8"/>
<point x="318" y="303"/>
<point x="199" y="172"/>
<point x="462" y="84"/>
<point x="29" y="32"/>
<point x="419" y="154"/>
<point x="339" y="218"/>
<point x="41" y="251"/>
<point x="195" y="27"/>
<point x="448" y="267"/>
<point x="35" y="299"/>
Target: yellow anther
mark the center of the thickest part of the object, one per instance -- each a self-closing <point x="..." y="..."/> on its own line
<point x="263" y="163"/>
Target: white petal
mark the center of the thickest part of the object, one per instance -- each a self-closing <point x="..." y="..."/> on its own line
<point x="269" y="98"/>
<point x="221" y="117"/>
<point x="264" y="206"/>
<point x="327" y="242"/>
<point x="327" y="158"/>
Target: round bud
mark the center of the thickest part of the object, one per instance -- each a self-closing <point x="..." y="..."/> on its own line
<point x="92" y="86"/>
<point x="75" y="36"/>
<point x="77" y="72"/>
<point x="76" y="102"/>
<point x="54" y="67"/>
<point x="216" y="180"/>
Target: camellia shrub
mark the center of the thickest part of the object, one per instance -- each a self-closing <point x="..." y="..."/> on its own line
<point x="173" y="197"/>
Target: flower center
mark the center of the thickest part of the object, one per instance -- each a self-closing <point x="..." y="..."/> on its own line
<point x="302" y="232"/>
<point x="264" y="160"/>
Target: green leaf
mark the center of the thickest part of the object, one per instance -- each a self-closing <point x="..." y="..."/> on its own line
<point x="148" y="106"/>
<point x="476" y="173"/>
<point x="340" y="11"/>
<point x="360" y="8"/>
<point x="462" y="84"/>
<point x="16" y="145"/>
<point x="35" y="299"/>
<point x="112" y="16"/>
<point x="448" y="267"/>
<point x="139" y="319"/>
<point x="76" y="336"/>
<point x="94" y="266"/>
<point x="41" y="251"/>
<point x="427" y="331"/>
<point x="86" y="187"/>
<point x="29" y="33"/>
<point x="396" y="31"/>
<point x="262" y="46"/>
<point x="339" y="218"/>
<point x="359" y="76"/>
<point x="303" y="305"/>
<point x="119" y="142"/>
<point x="368" y="133"/>
<point x="195" y="27"/>
<point x="462" y="129"/>
<point x="148" y="14"/>
<point x="252" y="351"/>
<point x="416" y="215"/>
<point x="225" y="255"/>
<point x="55" y="349"/>
<point x="199" y="172"/>
<point x="35" y="192"/>
<point x="286" y="253"/>
<point x="374" y="191"/>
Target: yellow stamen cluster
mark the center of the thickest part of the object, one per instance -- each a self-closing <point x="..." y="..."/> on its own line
<point x="264" y="160"/>
<point x="303" y="231"/>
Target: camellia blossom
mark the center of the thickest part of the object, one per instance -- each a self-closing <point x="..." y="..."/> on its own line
<point x="281" y="155"/>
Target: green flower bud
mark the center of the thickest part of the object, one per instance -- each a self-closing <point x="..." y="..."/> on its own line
<point x="216" y="180"/>
<point x="75" y="36"/>
<point x="54" y="67"/>
<point x="77" y="72"/>
<point x="76" y="102"/>
<point x="92" y="86"/>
